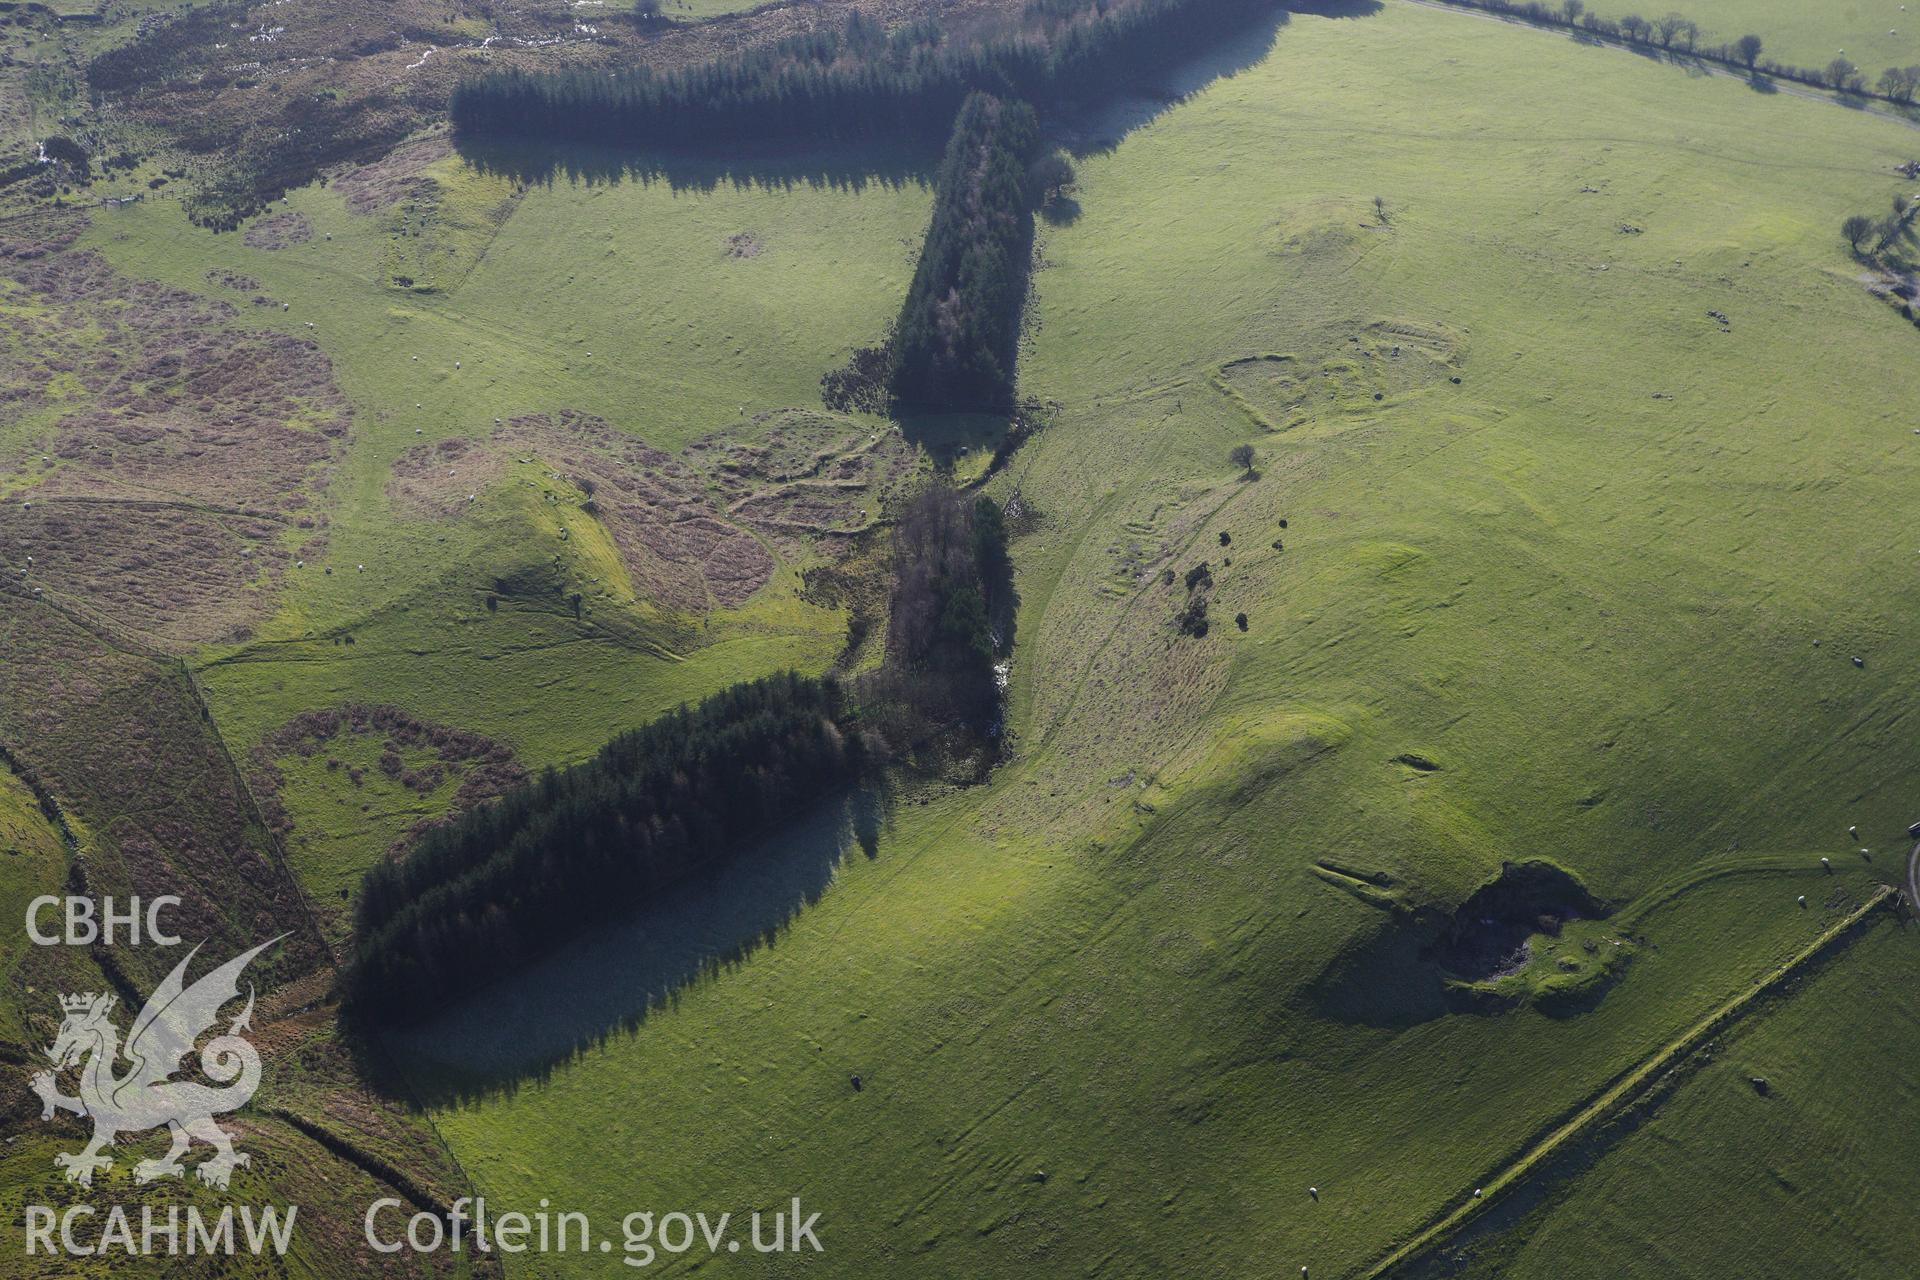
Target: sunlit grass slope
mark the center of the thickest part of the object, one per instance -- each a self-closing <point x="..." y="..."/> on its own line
<point x="1597" y="601"/>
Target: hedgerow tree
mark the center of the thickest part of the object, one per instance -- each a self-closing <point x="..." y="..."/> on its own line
<point x="1899" y="83"/>
<point x="1896" y="224"/>
<point x="1672" y="27"/>
<point x="1856" y="229"/>
<point x="1748" y="49"/>
<point x="1049" y="175"/>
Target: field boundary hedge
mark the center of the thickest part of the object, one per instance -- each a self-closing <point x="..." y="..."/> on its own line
<point x="1609" y="31"/>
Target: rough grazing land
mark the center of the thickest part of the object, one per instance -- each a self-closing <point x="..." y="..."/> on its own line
<point x="118" y="737"/>
<point x="694" y="529"/>
<point x="163" y="462"/>
<point x="481" y="767"/>
<point x="316" y="83"/>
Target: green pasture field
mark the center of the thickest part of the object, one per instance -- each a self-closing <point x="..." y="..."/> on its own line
<point x="1872" y="34"/>
<point x="1571" y="569"/>
<point x="32" y="863"/>
<point x="1578" y="532"/>
<point x="700" y="10"/>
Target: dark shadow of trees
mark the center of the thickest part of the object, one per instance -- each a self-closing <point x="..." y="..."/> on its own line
<point x="1098" y="126"/>
<point x="1088" y="126"/>
<point x="605" y="983"/>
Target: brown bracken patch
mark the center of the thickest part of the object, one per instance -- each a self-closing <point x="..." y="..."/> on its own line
<point x="438" y="479"/>
<point x="387" y="181"/>
<point x="485" y="768"/>
<point x="704" y="527"/>
<point x="234" y="280"/>
<point x="35" y="235"/>
<point x="184" y="452"/>
<point x="677" y="547"/>
<point x="279" y="231"/>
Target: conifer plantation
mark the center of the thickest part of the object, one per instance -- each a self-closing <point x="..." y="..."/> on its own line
<point x="856" y="80"/>
<point x="506" y="882"/>
<point x="959" y="330"/>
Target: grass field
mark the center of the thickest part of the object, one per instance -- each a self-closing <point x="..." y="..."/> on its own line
<point x="1577" y="536"/>
<point x="1570" y="570"/>
<point x="699" y="10"/>
<point x="32" y="862"/>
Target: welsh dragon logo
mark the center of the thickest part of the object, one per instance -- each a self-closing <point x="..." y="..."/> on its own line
<point x="145" y="1096"/>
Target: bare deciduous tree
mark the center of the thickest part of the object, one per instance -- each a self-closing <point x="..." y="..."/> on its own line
<point x="1855" y="229"/>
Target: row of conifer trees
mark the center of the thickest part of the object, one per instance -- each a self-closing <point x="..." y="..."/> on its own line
<point x="955" y="343"/>
<point x="503" y="883"/>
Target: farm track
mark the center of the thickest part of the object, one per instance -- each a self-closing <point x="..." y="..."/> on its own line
<point x="169" y="504"/>
<point x="1626" y="1091"/>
